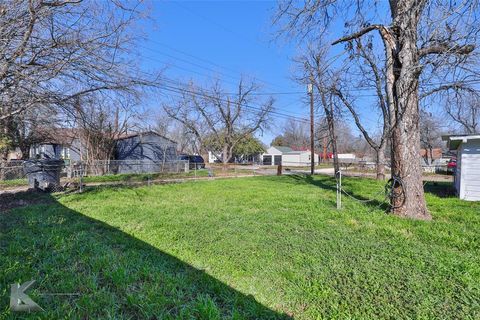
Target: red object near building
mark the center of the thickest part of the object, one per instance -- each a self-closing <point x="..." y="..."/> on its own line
<point x="452" y="163"/>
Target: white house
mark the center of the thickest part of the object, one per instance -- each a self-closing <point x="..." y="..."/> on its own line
<point x="349" y="157"/>
<point x="287" y="156"/>
<point x="467" y="174"/>
<point x="212" y="158"/>
<point x="252" y="158"/>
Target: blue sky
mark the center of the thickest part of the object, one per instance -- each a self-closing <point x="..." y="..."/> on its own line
<point x="204" y="40"/>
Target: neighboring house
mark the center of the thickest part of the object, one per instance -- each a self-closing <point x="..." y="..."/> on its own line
<point x="144" y="152"/>
<point x="431" y="156"/>
<point x="140" y="152"/>
<point x="347" y="157"/>
<point x="212" y="158"/>
<point x="467" y="173"/>
<point x="60" y="144"/>
<point x="287" y="156"/>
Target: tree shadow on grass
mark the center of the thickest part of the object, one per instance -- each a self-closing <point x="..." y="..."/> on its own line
<point x="112" y="274"/>
<point x="329" y="183"/>
<point x="440" y="189"/>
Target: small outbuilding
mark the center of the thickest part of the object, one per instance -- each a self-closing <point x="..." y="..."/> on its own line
<point x="467" y="172"/>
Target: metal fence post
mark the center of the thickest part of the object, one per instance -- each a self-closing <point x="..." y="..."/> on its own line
<point x="81" y="177"/>
<point x="339" y="190"/>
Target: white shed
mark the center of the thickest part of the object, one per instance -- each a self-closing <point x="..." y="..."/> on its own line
<point x="467" y="174"/>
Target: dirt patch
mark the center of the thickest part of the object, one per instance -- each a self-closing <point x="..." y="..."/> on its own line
<point x="14" y="200"/>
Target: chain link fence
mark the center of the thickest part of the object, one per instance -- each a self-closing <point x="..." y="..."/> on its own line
<point x="12" y="177"/>
<point x="77" y="175"/>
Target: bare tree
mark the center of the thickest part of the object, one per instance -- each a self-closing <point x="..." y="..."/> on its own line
<point x="99" y="122"/>
<point x="346" y="141"/>
<point x="464" y="110"/>
<point x="296" y="134"/>
<point x="417" y="35"/>
<point x="316" y="72"/>
<point x="369" y="75"/>
<point x="186" y="141"/>
<point x="430" y="134"/>
<point x="225" y="118"/>
<point x="54" y="52"/>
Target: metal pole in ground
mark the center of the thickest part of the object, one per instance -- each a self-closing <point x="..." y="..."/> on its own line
<point x="339" y="190"/>
<point x="81" y="177"/>
<point x="312" y="129"/>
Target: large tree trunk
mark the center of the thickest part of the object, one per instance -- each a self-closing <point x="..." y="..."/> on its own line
<point x="380" y="165"/>
<point x="225" y="158"/>
<point x="406" y="156"/>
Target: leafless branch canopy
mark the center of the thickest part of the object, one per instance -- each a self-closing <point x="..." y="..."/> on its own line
<point x="215" y="116"/>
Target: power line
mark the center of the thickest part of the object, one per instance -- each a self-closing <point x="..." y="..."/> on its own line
<point x="271" y="113"/>
<point x="180" y="87"/>
<point x="215" y="71"/>
<point x="232" y="71"/>
<point x="183" y="90"/>
<point x="329" y="63"/>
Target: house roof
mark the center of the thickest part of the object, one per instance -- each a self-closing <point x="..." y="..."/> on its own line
<point x="54" y="135"/>
<point x="65" y="136"/>
<point x="436" y="153"/>
<point x="292" y="150"/>
<point x="135" y="134"/>
<point x="455" y="140"/>
<point x="283" y="149"/>
<point x="303" y="149"/>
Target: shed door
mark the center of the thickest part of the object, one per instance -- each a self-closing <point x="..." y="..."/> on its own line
<point x="267" y="160"/>
<point x="277" y="160"/>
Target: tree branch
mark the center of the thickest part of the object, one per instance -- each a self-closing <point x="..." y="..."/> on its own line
<point x="453" y="86"/>
<point x="446" y="48"/>
<point x="360" y="33"/>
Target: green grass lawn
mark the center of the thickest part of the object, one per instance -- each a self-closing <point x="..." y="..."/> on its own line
<point x="247" y="248"/>
<point x="13" y="183"/>
<point x="142" y="177"/>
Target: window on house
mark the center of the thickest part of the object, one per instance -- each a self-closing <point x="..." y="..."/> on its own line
<point x="65" y="153"/>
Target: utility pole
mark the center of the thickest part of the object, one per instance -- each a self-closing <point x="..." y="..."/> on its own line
<point x="312" y="129"/>
<point x="324" y="149"/>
